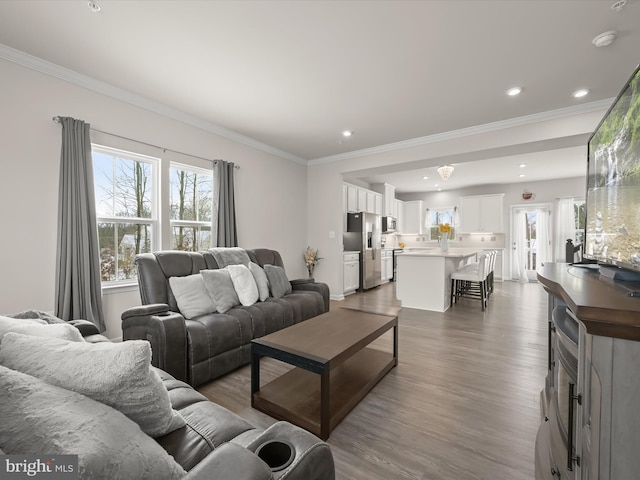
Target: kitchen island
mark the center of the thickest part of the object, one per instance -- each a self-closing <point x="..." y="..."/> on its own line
<point x="424" y="276"/>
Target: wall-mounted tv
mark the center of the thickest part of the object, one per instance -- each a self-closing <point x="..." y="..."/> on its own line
<point x="612" y="235"/>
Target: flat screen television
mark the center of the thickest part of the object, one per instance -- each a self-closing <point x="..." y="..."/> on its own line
<point x="612" y="224"/>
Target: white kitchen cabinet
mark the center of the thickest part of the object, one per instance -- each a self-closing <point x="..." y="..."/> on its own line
<point x="383" y="266"/>
<point x="388" y="265"/>
<point x="481" y="214"/>
<point x="389" y="200"/>
<point x="399" y="216"/>
<point x="352" y="198"/>
<point x="351" y="272"/>
<point x="379" y="204"/>
<point x="413" y="217"/>
<point x="362" y="200"/>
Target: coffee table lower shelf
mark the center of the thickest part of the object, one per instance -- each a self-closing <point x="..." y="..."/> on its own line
<point x="296" y="395"/>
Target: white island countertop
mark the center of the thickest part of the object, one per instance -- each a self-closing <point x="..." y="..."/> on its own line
<point x="423" y="278"/>
<point x="453" y="252"/>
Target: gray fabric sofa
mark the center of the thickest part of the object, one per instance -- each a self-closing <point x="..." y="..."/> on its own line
<point x="203" y="348"/>
<point x="214" y="443"/>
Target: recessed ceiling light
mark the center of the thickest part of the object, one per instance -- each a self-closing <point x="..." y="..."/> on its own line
<point x="522" y="165"/>
<point x="347" y="133"/>
<point x="94" y="7"/>
<point x="435" y="184"/>
<point x="512" y="92"/>
<point x="439" y="189"/>
<point x="580" y="93"/>
<point x="618" y="6"/>
<point x="522" y="175"/>
<point x="425" y="178"/>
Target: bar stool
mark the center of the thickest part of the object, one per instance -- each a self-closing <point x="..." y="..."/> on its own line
<point x="492" y="266"/>
<point x="471" y="281"/>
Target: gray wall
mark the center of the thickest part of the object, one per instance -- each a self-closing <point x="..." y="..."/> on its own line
<point x="271" y="192"/>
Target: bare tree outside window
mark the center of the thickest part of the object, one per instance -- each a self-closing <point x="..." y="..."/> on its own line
<point x="191" y="207"/>
<point x="125" y="210"/>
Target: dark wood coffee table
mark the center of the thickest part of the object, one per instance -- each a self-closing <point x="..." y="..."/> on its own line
<point x="335" y="367"/>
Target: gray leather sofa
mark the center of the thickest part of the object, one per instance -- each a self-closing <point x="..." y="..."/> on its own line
<point x="215" y="443"/>
<point x="205" y="347"/>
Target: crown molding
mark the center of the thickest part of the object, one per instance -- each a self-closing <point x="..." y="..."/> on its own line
<point x="469" y="131"/>
<point x="70" y="76"/>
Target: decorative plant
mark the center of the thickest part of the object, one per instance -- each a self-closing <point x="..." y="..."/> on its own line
<point x="311" y="258"/>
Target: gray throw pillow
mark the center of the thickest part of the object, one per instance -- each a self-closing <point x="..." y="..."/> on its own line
<point x="38" y="329"/>
<point x="278" y="281"/>
<point x="191" y="295"/>
<point x="116" y="374"/>
<point x="218" y="283"/>
<point x="261" y="280"/>
<point x="38" y="418"/>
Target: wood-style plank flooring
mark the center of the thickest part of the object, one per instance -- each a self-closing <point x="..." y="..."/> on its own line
<point x="463" y="402"/>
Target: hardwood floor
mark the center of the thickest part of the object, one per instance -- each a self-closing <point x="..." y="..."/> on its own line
<point x="463" y="402"/>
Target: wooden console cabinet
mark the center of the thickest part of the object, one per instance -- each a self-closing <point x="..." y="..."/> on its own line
<point x="604" y="403"/>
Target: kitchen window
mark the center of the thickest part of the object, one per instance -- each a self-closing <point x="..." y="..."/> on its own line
<point x="436" y="216"/>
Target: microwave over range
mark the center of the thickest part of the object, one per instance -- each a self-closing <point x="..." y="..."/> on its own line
<point x="388" y="224"/>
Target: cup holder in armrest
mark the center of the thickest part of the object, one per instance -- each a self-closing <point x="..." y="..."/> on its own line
<point x="277" y="454"/>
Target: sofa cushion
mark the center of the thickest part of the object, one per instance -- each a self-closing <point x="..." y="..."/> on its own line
<point x="244" y="284"/>
<point x="278" y="281"/>
<point x="229" y="256"/>
<point x="192" y="296"/>
<point x="261" y="280"/>
<point x="39" y="329"/>
<point x="38" y="418"/>
<point x="116" y="374"/>
<point x="220" y="288"/>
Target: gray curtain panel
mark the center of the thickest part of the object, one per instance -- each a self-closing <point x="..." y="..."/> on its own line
<point x="78" y="290"/>
<point x="226" y="235"/>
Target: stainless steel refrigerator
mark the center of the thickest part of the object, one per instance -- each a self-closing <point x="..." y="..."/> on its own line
<point x="364" y="234"/>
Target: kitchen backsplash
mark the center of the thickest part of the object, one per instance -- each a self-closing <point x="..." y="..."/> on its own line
<point x="474" y="240"/>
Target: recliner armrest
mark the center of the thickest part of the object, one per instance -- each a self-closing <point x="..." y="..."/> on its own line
<point x="86" y="327"/>
<point x="301" y="281"/>
<point x="313" y="458"/>
<point x="311" y="285"/>
<point x="230" y="461"/>
<point x="165" y="330"/>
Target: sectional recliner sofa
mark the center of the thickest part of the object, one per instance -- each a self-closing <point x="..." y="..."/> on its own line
<point x="199" y="349"/>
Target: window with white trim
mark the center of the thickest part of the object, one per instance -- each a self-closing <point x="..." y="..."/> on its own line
<point x="440" y="216"/>
<point x="126" y="191"/>
<point x="191" y="207"/>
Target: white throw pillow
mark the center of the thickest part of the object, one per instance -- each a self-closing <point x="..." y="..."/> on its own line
<point x="39" y="329"/>
<point x="261" y="280"/>
<point x="116" y="374"/>
<point x="244" y="284"/>
<point x="192" y="297"/>
<point x="38" y="418"/>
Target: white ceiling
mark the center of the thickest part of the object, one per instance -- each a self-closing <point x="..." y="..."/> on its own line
<point x="293" y="74"/>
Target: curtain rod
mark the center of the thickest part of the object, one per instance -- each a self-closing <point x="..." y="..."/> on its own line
<point x="56" y="119"/>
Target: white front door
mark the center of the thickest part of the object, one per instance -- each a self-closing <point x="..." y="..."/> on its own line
<point x="530" y="240"/>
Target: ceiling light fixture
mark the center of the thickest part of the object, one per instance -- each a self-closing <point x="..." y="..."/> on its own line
<point x="94" y="7"/>
<point x="580" y="93"/>
<point x="522" y="175"/>
<point x="604" y="39"/>
<point x="445" y="171"/>
<point x="512" y="92"/>
<point x="522" y="165"/>
<point x="347" y="133"/>
<point x="425" y="178"/>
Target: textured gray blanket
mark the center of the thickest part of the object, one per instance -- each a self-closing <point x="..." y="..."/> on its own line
<point x="230" y="256"/>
